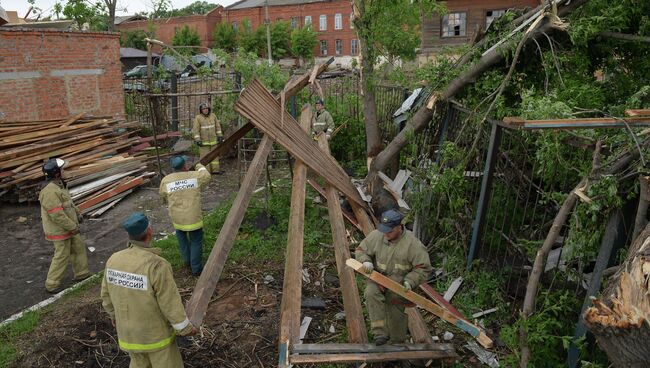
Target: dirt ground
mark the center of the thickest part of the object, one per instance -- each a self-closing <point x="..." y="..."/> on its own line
<point x="25" y="254"/>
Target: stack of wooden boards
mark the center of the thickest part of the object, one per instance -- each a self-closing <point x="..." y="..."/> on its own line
<point x="100" y="170"/>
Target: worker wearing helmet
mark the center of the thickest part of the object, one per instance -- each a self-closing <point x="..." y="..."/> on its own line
<point x="321" y="121"/>
<point x="207" y="133"/>
<point x="182" y="191"/>
<point x="140" y="296"/>
<point x="61" y="219"/>
<point x="396" y="253"/>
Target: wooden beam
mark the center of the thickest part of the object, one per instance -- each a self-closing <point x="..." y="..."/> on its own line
<point x="422" y="302"/>
<point x="637" y="112"/>
<point x="224" y="146"/>
<point x="292" y="284"/>
<point x="342" y="348"/>
<point x="370" y="357"/>
<point x="107" y="195"/>
<point x="348" y="216"/>
<point x="586" y="123"/>
<point x="351" y="301"/>
<point x="205" y="286"/>
<point x="433" y="294"/>
<point x="367" y="226"/>
<point x="257" y="104"/>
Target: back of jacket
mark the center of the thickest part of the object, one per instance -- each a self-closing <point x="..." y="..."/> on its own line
<point x="58" y="213"/>
<point x="182" y="192"/>
<point x="140" y="294"/>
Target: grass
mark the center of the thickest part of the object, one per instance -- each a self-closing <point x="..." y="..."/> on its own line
<point x="11" y="332"/>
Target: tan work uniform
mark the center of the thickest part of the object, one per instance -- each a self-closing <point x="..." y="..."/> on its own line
<point x="404" y="259"/>
<point x="207" y="129"/>
<point x="140" y="295"/>
<point x="61" y="226"/>
<point x="182" y="191"/>
<point x="321" y="121"/>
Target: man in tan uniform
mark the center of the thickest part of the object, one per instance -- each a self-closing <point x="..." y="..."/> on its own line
<point x="207" y="133"/>
<point x="396" y="253"/>
<point x="140" y="296"/>
<point x="61" y="226"/>
<point x="321" y="121"/>
<point x="181" y="190"/>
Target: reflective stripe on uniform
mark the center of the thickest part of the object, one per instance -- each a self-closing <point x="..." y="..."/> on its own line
<point x="403" y="267"/>
<point x="381" y="266"/>
<point x="55" y="209"/>
<point x="63" y="236"/>
<point x="207" y="127"/>
<point x="377" y="323"/>
<point x="202" y="168"/>
<point x="189" y="227"/>
<point x="209" y="143"/>
<point x="180" y="326"/>
<point x="146" y="347"/>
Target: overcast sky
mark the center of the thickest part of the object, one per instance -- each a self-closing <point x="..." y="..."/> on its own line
<point x="124" y="6"/>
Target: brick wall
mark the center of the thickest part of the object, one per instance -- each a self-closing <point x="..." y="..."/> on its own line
<point x="285" y="12"/>
<point x="51" y="74"/>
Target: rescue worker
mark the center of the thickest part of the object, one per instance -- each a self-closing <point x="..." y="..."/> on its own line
<point x="396" y="253"/>
<point x="321" y="121"/>
<point x="181" y="190"/>
<point x="61" y="219"/>
<point x="207" y="133"/>
<point x="140" y="296"/>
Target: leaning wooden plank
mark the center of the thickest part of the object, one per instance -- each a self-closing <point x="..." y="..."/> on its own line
<point x="342" y="348"/>
<point x="351" y="301"/>
<point x="433" y="294"/>
<point x="637" y="112"/>
<point x="104" y="196"/>
<point x="348" y="216"/>
<point x="107" y="207"/>
<point x="257" y="104"/>
<point x="198" y="303"/>
<point x="418" y="328"/>
<point x="424" y="303"/>
<point x="292" y="283"/>
<point x="371" y="357"/>
<point x="104" y="203"/>
<point x="453" y="288"/>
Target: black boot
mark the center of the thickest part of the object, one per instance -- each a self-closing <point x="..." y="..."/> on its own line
<point x="381" y="340"/>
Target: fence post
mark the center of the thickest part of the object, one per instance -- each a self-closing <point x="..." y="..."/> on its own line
<point x="486" y="189"/>
<point x="174" y="88"/>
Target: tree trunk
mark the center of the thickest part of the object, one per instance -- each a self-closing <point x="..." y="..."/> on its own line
<point x="620" y="320"/>
<point x="110" y="5"/>
<point x="641" y="219"/>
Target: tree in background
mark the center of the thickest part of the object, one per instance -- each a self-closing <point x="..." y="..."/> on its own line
<point x="225" y="37"/>
<point x="280" y="39"/>
<point x="303" y="42"/>
<point x="195" y="8"/>
<point x="186" y="37"/>
<point x="81" y="13"/>
<point x="249" y="40"/>
<point x="135" y="39"/>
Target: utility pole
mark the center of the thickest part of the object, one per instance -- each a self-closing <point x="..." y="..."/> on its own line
<point x="267" y="21"/>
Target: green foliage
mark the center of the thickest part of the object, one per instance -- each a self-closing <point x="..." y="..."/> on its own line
<point x="186" y="37"/>
<point x="86" y="14"/>
<point x="248" y="65"/>
<point x="195" y="8"/>
<point x="280" y="39"/>
<point x="303" y="42"/>
<point x="249" y="40"/>
<point x="225" y="37"/>
<point x="11" y="332"/>
<point x="135" y="39"/>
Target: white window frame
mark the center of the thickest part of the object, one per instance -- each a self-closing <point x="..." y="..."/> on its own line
<point x="354" y="46"/>
<point x="307" y="20"/>
<point x="496" y="13"/>
<point x="338" y="50"/>
<point x="338" y="21"/>
<point x="323" y="50"/>
<point x="322" y="22"/>
<point x="454" y="24"/>
<point x="351" y="20"/>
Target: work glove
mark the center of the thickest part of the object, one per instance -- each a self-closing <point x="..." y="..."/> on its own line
<point x="406" y="286"/>
<point x="367" y="267"/>
<point x="199" y="143"/>
<point x="220" y="139"/>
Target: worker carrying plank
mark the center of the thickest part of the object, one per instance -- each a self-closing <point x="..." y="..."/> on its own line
<point x="181" y="190"/>
<point x="140" y="296"/>
<point x="207" y="133"/>
<point x="61" y="219"/>
<point x="396" y="253"/>
<point x="321" y="121"/>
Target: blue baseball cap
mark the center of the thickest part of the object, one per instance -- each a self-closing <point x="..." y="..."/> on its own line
<point x="320" y="102"/>
<point x="389" y="220"/>
<point x="136" y="224"/>
<point x="177" y="162"/>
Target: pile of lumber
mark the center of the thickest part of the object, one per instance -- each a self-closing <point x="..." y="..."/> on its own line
<point x="102" y="166"/>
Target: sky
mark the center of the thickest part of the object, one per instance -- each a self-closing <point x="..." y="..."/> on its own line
<point x="124" y="6"/>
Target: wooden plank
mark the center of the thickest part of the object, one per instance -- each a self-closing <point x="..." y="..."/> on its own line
<point x="433" y="294"/>
<point x="257" y="104"/>
<point x="585" y="123"/>
<point x="367" y="226"/>
<point x="453" y="288"/>
<point x="418" y="328"/>
<point x="104" y="196"/>
<point x="224" y="146"/>
<point x="348" y="216"/>
<point x="351" y="301"/>
<point x="370" y="357"/>
<point x="367" y="348"/>
<point x="422" y="302"/>
<point x="205" y="286"/>
<point x="637" y="112"/>
<point x="292" y="284"/>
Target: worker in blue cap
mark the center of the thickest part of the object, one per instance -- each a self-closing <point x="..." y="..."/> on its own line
<point x="396" y="253"/>
<point x="321" y="120"/>
<point x="181" y="190"/>
<point x="140" y="295"/>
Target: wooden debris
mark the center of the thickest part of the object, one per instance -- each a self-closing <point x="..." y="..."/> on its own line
<point x="394" y="187"/>
<point x="348" y="216"/>
<point x="441" y="300"/>
<point x="485" y="312"/>
<point x="304" y="326"/>
<point x="453" y="288"/>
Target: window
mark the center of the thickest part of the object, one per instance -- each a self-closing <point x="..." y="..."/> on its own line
<point x="351" y="20"/>
<point x="454" y="25"/>
<point x="323" y="23"/>
<point x="323" y="48"/>
<point x="294" y="22"/>
<point x="491" y="15"/>
<point x="235" y="27"/>
<point x="338" y="21"/>
<point x="338" y="47"/>
<point x="354" y="47"/>
<point x="307" y="19"/>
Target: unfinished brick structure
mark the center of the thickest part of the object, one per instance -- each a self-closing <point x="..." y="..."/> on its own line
<point x="52" y="74"/>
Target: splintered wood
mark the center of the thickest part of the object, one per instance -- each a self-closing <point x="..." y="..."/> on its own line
<point x="100" y="169"/>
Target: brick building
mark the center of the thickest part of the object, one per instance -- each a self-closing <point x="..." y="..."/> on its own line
<point x="165" y="28"/>
<point x="51" y="74"/>
<point x="330" y="18"/>
<point x="464" y="18"/>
